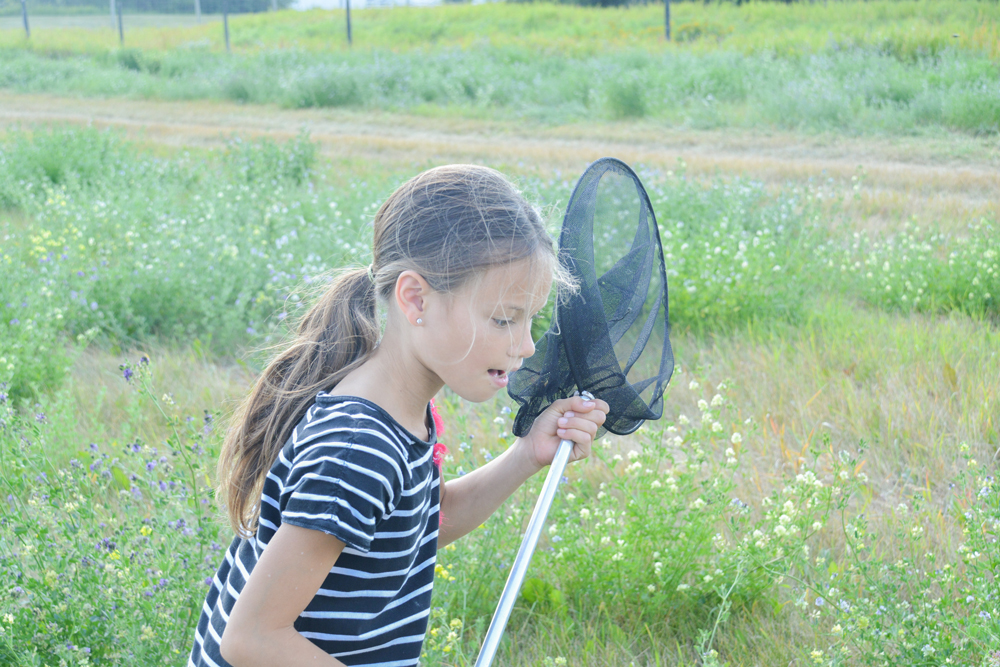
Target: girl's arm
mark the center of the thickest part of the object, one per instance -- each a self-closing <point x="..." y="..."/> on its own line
<point x="260" y="630"/>
<point x="466" y="502"/>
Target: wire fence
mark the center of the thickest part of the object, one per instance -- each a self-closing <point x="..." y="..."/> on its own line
<point x="121" y="15"/>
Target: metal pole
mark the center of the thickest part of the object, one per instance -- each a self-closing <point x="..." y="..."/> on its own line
<point x="121" y="30"/>
<point x="667" y="3"/>
<point x="24" y="17"/>
<point x="348" y="5"/>
<point x="114" y="14"/>
<point x="520" y="567"/>
<point x="197" y="9"/>
<point x="225" y="22"/>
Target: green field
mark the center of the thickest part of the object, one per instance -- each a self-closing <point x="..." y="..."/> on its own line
<point x="887" y="67"/>
<point x="822" y="489"/>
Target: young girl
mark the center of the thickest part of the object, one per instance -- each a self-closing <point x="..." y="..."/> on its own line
<point x="327" y="470"/>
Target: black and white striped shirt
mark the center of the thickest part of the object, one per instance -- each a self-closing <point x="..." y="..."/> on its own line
<point x="350" y="470"/>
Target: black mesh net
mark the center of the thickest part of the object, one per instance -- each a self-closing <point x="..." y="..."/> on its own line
<point x="612" y="338"/>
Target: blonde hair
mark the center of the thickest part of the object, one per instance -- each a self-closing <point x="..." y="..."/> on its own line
<point x="449" y="224"/>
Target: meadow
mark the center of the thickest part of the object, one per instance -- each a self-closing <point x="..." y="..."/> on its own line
<point x="822" y="488"/>
<point x="886" y="67"/>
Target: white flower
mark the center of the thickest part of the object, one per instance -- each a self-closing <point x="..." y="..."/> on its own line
<point x="717" y="400"/>
<point x="716" y="427"/>
<point x="736" y="438"/>
<point x="585" y="514"/>
<point x="651" y="588"/>
<point x="702" y="404"/>
<point x="683" y="420"/>
<point x="693" y="385"/>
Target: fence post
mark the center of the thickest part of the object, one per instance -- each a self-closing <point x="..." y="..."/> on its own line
<point x="114" y="14"/>
<point x="121" y="30"/>
<point x="667" y="19"/>
<point x="348" y="5"/>
<point x="197" y="9"/>
<point x="24" y="17"/>
<point x="274" y="5"/>
<point x="225" y="22"/>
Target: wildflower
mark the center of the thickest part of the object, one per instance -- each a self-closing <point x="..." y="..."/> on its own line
<point x="683" y="420"/>
<point x="716" y="427"/>
<point x="585" y="514"/>
<point x="817" y="657"/>
<point x="702" y="405"/>
<point x="927" y="650"/>
<point x="618" y="556"/>
<point x="736" y="438"/>
<point x="717" y="400"/>
<point x="8" y="619"/>
<point x="651" y="588"/>
<point x="820" y="602"/>
<point x="837" y="630"/>
<point x="126" y="373"/>
<point x="693" y="385"/>
<point x="682" y="587"/>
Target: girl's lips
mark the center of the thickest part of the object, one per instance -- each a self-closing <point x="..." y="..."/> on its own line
<point x="499" y="377"/>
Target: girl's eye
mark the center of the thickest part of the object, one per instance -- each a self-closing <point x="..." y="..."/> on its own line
<point x="503" y="323"/>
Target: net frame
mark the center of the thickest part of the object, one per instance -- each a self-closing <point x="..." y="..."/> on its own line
<point x="578" y="352"/>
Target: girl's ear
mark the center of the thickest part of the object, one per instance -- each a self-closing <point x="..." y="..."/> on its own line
<point x="411" y="296"/>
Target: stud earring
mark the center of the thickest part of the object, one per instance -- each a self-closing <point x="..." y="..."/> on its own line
<point x="419" y="321"/>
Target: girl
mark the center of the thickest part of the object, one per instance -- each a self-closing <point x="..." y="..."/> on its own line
<point x="328" y="472"/>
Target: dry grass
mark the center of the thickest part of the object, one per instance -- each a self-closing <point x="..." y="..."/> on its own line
<point x="194" y="382"/>
<point x="947" y="180"/>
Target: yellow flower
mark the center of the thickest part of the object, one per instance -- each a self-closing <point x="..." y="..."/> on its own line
<point x="146" y="531"/>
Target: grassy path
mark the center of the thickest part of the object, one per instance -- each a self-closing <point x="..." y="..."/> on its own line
<point x="945" y="178"/>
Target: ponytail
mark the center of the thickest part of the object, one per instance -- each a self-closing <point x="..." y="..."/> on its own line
<point x="335" y="336"/>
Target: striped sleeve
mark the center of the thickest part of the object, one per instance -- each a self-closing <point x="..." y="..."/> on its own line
<point x="343" y="486"/>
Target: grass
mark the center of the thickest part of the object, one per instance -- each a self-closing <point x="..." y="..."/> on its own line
<point x="860" y="68"/>
<point x="809" y="378"/>
<point x="902" y="29"/>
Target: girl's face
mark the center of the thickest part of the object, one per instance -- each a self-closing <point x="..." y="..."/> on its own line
<point x="482" y="333"/>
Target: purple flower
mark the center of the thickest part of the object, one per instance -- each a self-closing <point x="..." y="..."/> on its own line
<point x="208" y="581"/>
<point x="18" y="590"/>
<point x="163" y="485"/>
<point x="15" y="322"/>
<point x="136" y="446"/>
<point x="79" y="273"/>
<point x="150" y="465"/>
<point x="92" y="446"/>
<point x="127" y="373"/>
<point x="93" y="305"/>
<point x="40" y="417"/>
<point x="251" y="331"/>
<point x="136" y="493"/>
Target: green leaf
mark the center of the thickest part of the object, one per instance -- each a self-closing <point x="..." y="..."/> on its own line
<point x="120" y="479"/>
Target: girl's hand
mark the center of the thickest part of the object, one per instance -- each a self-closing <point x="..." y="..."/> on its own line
<point x="575" y="418"/>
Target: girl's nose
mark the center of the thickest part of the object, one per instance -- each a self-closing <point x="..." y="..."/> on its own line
<point x="527" y="346"/>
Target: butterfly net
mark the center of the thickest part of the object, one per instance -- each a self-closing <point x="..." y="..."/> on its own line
<point x="611" y="338"/>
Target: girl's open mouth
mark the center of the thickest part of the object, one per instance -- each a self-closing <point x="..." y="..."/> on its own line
<point x="499" y="377"/>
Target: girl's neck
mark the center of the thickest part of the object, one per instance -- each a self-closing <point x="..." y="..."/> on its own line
<point x="398" y="384"/>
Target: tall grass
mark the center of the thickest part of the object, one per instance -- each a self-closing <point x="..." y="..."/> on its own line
<point x="857" y="91"/>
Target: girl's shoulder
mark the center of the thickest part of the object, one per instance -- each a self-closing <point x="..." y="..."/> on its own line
<point x="357" y="421"/>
